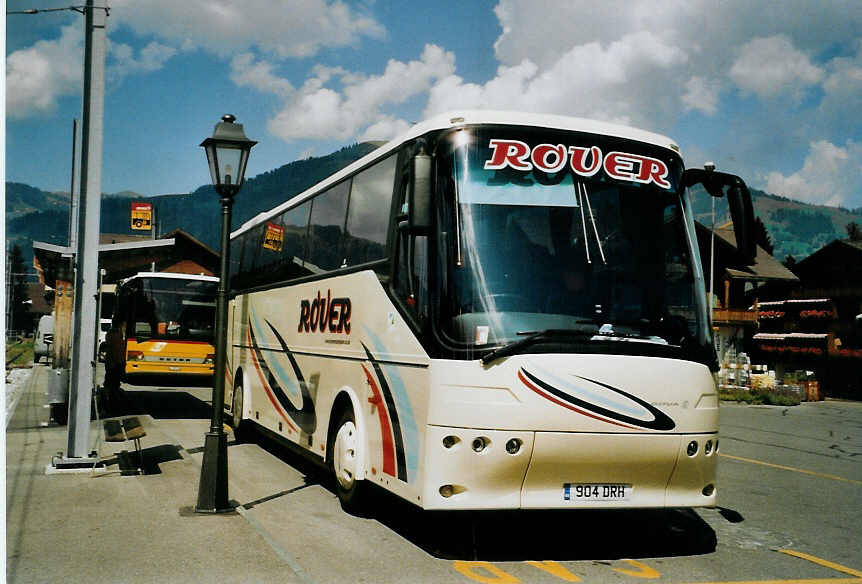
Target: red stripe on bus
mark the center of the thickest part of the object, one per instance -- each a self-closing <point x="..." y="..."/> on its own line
<point x="385" y="428"/>
<point x="568" y="406"/>
<point x="268" y="390"/>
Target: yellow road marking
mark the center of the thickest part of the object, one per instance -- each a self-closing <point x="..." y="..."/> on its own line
<point x="793" y="469"/>
<point x="642" y="571"/>
<point x="556" y="569"/>
<point x="484" y="572"/>
<point x="815" y="560"/>
<point x="488" y="573"/>
<point x="822" y="562"/>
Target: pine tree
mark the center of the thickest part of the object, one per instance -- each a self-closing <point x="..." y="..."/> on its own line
<point x="762" y="237"/>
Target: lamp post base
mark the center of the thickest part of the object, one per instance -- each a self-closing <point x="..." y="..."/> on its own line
<point x="212" y="491"/>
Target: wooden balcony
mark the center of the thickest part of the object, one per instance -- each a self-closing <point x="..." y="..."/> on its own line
<point x="736" y="316"/>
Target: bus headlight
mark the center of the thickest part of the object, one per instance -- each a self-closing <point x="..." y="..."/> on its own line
<point x="479" y="444"/>
<point x="513" y="446"/>
<point x="691" y="450"/>
<point x="210" y="359"/>
<point x="135" y="356"/>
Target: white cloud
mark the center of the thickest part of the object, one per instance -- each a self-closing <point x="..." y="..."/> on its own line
<point x="246" y="72"/>
<point x="542" y="30"/>
<point x="588" y="80"/>
<point x="384" y="129"/>
<point x="38" y="76"/>
<point x="829" y="176"/>
<point x="772" y="66"/>
<point x="320" y="112"/>
<point x="122" y="60"/>
<point x="701" y="95"/>
<point x="842" y="99"/>
<point x="299" y="28"/>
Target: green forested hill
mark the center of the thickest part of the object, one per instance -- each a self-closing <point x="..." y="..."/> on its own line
<point x="41" y="216"/>
<point x="795" y="228"/>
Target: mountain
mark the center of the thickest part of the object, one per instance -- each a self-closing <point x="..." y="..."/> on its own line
<point x="33" y="214"/>
<point x="796" y="228"/>
<point x="22" y="199"/>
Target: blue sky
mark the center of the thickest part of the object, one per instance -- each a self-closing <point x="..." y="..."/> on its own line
<point x="769" y="90"/>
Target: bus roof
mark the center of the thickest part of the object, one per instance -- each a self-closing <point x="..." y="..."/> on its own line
<point x="463" y="118"/>
<point x="170" y="275"/>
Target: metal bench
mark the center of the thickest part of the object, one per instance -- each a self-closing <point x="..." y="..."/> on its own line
<point x="127" y="429"/>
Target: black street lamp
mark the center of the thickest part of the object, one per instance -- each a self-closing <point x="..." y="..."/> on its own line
<point x="227" y="153"/>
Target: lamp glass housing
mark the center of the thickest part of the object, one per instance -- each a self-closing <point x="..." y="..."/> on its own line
<point x="227" y="154"/>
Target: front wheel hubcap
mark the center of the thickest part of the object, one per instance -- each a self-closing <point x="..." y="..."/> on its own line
<point x="344" y="455"/>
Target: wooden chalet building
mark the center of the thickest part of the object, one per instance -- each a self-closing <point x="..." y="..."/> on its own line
<point x="818" y="325"/>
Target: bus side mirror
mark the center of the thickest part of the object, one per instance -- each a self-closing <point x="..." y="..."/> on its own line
<point x="419" y="195"/>
<point x="742" y="214"/>
<point x="738" y="201"/>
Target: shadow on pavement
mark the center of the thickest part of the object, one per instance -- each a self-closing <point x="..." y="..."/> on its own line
<point x="524" y="535"/>
<point x="172" y="405"/>
<point x="128" y="462"/>
<point x="549" y="535"/>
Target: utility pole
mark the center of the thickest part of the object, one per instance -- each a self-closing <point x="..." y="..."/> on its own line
<point x="73" y="190"/>
<point x="87" y="256"/>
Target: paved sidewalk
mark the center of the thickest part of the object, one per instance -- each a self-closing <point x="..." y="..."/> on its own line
<point x="104" y="527"/>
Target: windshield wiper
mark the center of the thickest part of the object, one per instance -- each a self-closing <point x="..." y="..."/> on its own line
<point x="531" y="339"/>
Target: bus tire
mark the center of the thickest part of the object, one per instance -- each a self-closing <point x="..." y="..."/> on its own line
<point x="241" y="431"/>
<point x="342" y="446"/>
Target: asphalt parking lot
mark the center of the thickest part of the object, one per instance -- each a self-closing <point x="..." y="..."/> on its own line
<point x="790" y="510"/>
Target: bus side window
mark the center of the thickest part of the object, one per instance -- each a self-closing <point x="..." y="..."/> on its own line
<point x="367" y="213"/>
<point x="328" y="216"/>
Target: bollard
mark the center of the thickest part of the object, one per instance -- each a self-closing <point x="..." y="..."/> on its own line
<point x="58" y="395"/>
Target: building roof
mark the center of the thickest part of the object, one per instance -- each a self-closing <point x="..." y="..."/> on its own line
<point x="837" y="265"/>
<point x="123" y="259"/>
<point x="764" y="268"/>
<point x="837" y="246"/>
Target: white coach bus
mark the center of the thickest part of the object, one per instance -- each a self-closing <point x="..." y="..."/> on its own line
<point x="493" y="311"/>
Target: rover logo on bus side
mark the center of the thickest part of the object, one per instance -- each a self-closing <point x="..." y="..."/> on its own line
<point x="582" y="160"/>
<point x="324" y="314"/>
<point x="597" y="400"/>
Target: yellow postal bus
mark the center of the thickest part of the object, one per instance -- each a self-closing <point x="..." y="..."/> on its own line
<point x="162" y="326"/>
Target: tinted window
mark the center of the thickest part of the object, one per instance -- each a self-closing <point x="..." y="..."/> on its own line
<point x="368" y="214"/>
<point x="327" y="224"/>
<point x="247" y="247"/>
<point x="235" y="256"/>
<point x="270" y="244"/>
<point x="295" y="223"/>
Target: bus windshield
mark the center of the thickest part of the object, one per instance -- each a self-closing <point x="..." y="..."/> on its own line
<point x="175" y="309"/>
<point x="559" y="231"/>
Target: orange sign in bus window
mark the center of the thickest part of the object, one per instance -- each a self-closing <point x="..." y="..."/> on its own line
<point x="274" y="237"/>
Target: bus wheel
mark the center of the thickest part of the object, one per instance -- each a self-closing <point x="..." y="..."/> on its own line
<point x="343" y="445"/>
<point x="240" y="430"/>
